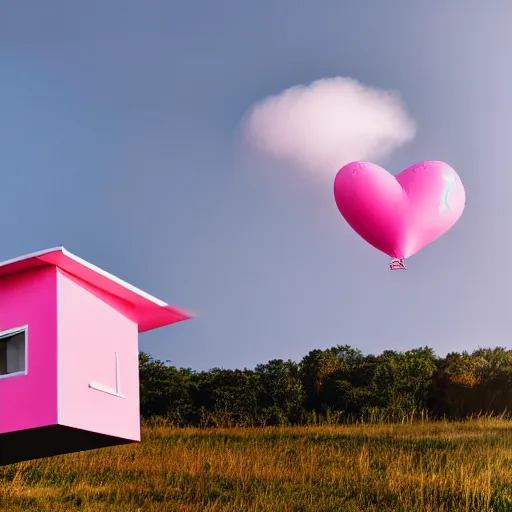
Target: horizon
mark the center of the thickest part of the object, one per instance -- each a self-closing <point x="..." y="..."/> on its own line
<point x="364" y="354"/>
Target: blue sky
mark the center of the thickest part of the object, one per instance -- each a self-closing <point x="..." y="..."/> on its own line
<point x="118" y="140"/>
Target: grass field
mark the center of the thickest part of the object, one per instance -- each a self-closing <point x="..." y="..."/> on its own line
<point x="418" y="467"/>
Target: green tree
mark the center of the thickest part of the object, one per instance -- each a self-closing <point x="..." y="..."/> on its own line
<point x="164" y="390"/>
<point x="318" y="365"/>
<point x="227" y="397"/>
<point x="402" y="380"/>
<point x="282" y="394"/>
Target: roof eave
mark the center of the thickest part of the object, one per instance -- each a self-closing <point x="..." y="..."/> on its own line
<point x="151" y="312"/>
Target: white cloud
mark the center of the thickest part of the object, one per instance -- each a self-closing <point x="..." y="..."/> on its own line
<point x="327" y="124"/>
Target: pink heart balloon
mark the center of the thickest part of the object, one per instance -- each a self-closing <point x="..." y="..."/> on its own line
<point x="399" y="215"/>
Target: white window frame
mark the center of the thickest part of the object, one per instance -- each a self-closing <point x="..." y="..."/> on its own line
<point x="12" y="332"/>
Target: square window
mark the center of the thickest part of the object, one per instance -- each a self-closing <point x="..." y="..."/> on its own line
<point x="12" y="351"/>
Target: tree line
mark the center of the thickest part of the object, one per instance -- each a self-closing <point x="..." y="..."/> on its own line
<point x="336" y="385"/>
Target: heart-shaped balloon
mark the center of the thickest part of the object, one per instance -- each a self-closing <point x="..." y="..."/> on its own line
<point x="399" y="215"/>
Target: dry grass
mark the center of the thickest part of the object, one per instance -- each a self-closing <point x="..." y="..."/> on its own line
<point x="418" y="467"/>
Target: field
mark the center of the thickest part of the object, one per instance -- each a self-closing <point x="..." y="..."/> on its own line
<point x="407" y="467"/>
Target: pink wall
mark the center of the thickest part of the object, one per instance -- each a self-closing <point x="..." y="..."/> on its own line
<point x="29" y="298"/>
<point x="92" y="327"/>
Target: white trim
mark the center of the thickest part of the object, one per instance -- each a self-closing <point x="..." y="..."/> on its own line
<point x="12" y="332"/>
<point x="31" y="255"/>
<point x="90" y="266"/>
<point x="120" y="282"/>
<point x="107" y="389"/>
<point x="14" y="374"/>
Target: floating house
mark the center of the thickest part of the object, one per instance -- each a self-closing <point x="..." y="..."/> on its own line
<point x="69" y="371"/>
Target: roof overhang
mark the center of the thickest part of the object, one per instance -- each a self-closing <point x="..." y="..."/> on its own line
<point x="150" y="312"/>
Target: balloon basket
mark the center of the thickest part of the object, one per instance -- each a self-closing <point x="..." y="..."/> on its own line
<point x="397" y="264"/>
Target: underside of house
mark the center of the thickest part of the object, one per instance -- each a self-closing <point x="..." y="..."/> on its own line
<point x="52" y="440"/>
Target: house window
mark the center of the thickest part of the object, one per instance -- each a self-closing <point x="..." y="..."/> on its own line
<point x="12" y="351"/>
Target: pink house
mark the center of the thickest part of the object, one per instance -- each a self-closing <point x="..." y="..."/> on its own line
<point x="69" y="376"/>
